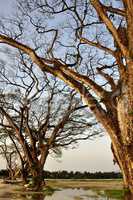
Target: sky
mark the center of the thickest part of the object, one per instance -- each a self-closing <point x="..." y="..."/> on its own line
<point x="90" y="155"/>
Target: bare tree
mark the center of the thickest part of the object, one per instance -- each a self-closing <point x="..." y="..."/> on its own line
<point x="42" y="115"/>
<point x="13" y="154"/>
<point x="8" y="152"/>
<point x="88" y="45"/>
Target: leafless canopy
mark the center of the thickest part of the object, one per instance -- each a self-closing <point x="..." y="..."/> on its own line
<point x="39" y="113"/>
<point x="88" y="45"/>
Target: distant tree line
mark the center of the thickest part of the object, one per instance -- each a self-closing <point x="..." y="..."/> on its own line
<point x="4" y="173"/>
<point x="73" y="175"/>
<point x="81" y="175"/>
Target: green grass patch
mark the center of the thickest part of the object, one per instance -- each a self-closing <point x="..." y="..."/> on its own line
<point x="116" y="194"/>
<point x="78" y="198"/>
<point x="49" y="190"/>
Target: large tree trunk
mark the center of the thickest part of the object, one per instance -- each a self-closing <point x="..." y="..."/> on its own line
<point x="37" y="169"/>
<point x="124" y="159"/>
<point x="11" y="174"/>
<point x="24" y="176"/>
<point x="123" y="142"/>
<point x="37" y="179"/>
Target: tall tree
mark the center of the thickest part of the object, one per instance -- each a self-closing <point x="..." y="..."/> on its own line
<point x="8" y="152"/>
<point x="11" y="151"/>
<point x="88" y="45"/>
<point x="41" y="115"/>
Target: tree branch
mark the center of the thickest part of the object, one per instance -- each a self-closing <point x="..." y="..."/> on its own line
<point x="19" y="135"/>
<point x="103" y="16"/>
<point x="98" y="45"/>
<point x="115" y="10"/>
<point x="108" y="78"/>
<point x="29" y="51"/>
<point x="70" y="77"/>
<point x="58" y="68"/>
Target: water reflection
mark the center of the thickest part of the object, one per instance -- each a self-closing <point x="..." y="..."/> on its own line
<point x="64" y="194"/>
<point x="33" y="197"/>
<point x="74" y="194"/>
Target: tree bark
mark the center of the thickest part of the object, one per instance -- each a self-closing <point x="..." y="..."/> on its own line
<point x="128" y="195"/>
<point x="123" y="140"/>
<point x="11" y="174"/>
<point x="37" y="179"/>
<point x="125" y="162"/>
<point x="123" y="155"/>
<point x="24" y="176"/>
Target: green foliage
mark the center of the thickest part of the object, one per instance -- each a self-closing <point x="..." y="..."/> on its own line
<point x="131" y="112"/>
<point x="116" y="194"/>
<point x="49" y="190"/>
<point x="81" y="175"/>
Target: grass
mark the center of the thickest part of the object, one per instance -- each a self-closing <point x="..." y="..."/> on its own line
<point x="21" y="190"/>
<point x="112" y="193"/>
<point x="86" y="184"/>
<point x="118" y="194"/>
<point x="78" y="198"/>
<point x="48" y="190"/>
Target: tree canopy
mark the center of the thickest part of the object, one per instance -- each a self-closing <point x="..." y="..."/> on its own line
<point x="88" y="45"/>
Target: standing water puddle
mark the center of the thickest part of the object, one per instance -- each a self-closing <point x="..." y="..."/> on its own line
<point x="75" y="194"/>
<point x="62" y="194"/>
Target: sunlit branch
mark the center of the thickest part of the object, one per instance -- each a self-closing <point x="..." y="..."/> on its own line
<point x="115" y="10"/>
<point x="103" y="15"/>
<point x="97" y="45"/>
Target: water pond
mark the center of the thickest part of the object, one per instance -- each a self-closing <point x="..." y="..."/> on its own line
<point x="61" y="194"/>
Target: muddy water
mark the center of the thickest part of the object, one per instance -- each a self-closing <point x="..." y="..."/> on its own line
<point x="62" y="194"/>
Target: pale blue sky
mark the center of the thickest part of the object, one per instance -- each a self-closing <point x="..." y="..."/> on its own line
<point x="89" y="156"/>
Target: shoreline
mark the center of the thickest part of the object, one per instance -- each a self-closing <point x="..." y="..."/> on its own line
<point x="86" y="184"/>
<point x="100" y="184"/>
